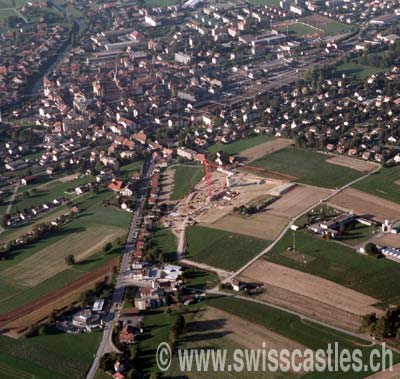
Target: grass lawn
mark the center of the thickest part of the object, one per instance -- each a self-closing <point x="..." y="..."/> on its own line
<point x="343" y="265"/>
<point x="309" y="334"/>
<point x="242" y="144"/>
<point x="6" y="4"/>
<point x="199" y="279"/>
<point x="358" y="234"/>
<point x="333" y="28"/>
<point x="359" y="70"/>
<point x="64" y="356"/>
<point x="185" y="178"/>
<point x="131" y="168"/>
<point x="265" y="2"/>
<point x="222" y="249"/>
<point x="165" y="240"/>
<point x="382" y="184"/>
<point x="309" y="167"/>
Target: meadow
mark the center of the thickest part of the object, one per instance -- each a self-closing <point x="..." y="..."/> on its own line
<point x="238" y="146"/>
<point x="308" y="166"/>
<point x="225" y="250"/>
<point x="185" y="178"/>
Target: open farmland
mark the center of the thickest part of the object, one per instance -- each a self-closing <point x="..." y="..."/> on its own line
<point x="260" y="225"/>
<point x="221" y="249"/>
<point x="340" y="264"/>
<point x="256" y="152"/>
<point x="326" y="295"/>
<point x="306" y="333"/>
<point x="383" y="183"/>
<point x="61" y="356"/>
<point x="308" y="166"/>
<point x="185" y="178"/>
<point x="365" y="204"/>
<point x="213" y="328"/>
<point x="353" y="163"/>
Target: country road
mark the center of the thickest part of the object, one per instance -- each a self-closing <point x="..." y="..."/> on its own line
<point x="106" y="344"/>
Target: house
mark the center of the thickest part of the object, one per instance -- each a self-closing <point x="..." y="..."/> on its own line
<point x="127" y="335"/>
<point x="237" y="285"/>
<point x="27" y="180"/>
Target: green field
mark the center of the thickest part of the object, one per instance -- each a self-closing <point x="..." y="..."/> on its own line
<point x="265" y="2"/>
<point x="358" y="70"/>
<point x="199" y="279"/>
<point x="333" y="27"/>
<point x="308" y="167"/>
<point x="221" y="249"/>
<point x="61" y="356"/>
<point x="185" y="178"/>
<point x="160" y="3"/>
<point x="311" y="335"/>
<point x="343" y="265"/>
<point x="238" y="146"/>
<point x="358" y="234"/>
<point x="165" y="240"/>
<point x="382" y="184"/>
<point x="131" y="168"/>
<point x="83" y="230"/>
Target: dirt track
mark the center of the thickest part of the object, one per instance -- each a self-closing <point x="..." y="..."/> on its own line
<point x="43" y="306"/>
<point x="365" y="204"/>
<point x="320" y="291"/>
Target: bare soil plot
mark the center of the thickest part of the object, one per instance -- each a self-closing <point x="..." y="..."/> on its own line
<point x="30" y="272"/>
<point x="365" y="204"/>
<point x="269" y="147"/>
<point x="393" y="374"/>
<point x="240" y="331"/>
<point x="313" y="287"/>
<point x="392" y="240"/>
<point x="39" y="309"/>
<point x="267" y="173"/>
<point x="297" y="200"/>
<point x="355" y="164"/>
<point x="261" y="225"/>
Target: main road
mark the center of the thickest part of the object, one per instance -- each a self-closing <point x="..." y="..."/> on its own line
<point x="118" y="294"/>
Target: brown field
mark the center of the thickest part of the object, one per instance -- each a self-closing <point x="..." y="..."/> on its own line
<point x="266" y="148"/>
<point x="355" y="164"/>
<point x="29" y="272"/>
<point x="240" y="331"/>
<point x="297" y="200"/>
<point x="393" y="374"/>
<point x="311" y="287"/>
<point x="392" y="240"/>
<point x="270" y="174"/>
<point x="261" y="225"/>
<point x="365" y="204"/>
<point x="19" y="319"/>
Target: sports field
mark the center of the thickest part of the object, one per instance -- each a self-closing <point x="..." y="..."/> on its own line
<point x="340" y="264"/>
<point x="185" y="178"/>
<point x="222" y="249"/>
<point x="308" y="167"/>
<point x="298" y="29"/>
<point x="63" y="356"/>
<point x="238" y="146"/>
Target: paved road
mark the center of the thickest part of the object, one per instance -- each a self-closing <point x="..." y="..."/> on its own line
<point x="118" y="295"/>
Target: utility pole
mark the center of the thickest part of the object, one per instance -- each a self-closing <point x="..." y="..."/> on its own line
<point x="294" y="241"/>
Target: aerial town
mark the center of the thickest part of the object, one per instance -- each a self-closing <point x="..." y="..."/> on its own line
<point x="198" y="173"/>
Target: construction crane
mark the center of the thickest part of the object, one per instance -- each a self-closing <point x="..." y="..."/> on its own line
<point x="208" y="166"/>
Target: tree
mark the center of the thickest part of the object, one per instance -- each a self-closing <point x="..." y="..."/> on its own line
<point x="398" y="337"/>
<point x="70" y="260"/>
<point x="372" y="249"/>
<point x="108" y="246"/>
